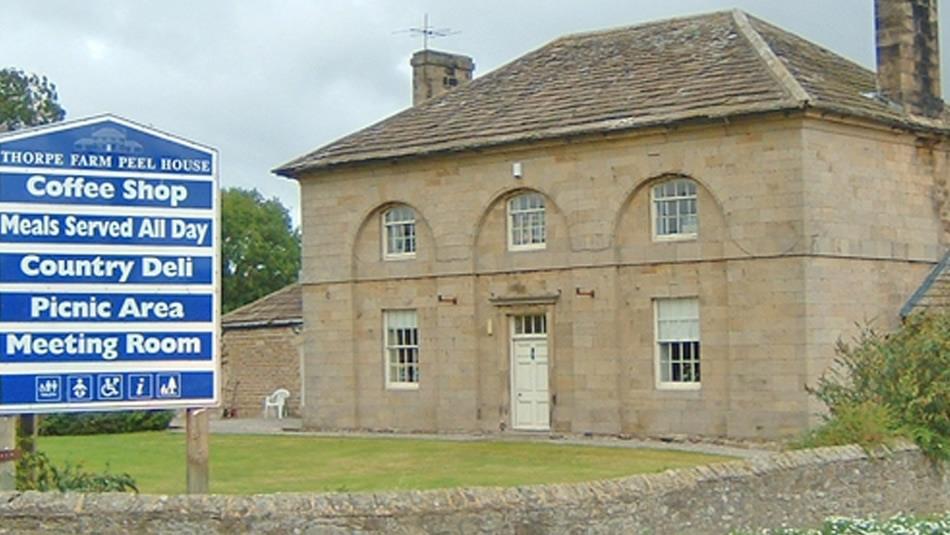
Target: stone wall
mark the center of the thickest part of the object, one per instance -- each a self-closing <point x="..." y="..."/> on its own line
<point x="796" y="489"/>
<point x="257" y="361"/>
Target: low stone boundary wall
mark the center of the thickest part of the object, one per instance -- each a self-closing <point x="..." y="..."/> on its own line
<point x="798" y="488"/>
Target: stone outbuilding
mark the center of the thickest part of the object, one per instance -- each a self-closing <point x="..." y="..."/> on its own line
<point x="646" y="230"/>
<point x="261" y="351"/>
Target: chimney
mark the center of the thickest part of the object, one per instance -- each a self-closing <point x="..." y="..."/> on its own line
<point x="908" y="54"/>
<point x="434" y="73"/>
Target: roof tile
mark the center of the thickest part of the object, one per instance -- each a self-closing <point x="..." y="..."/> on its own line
<point x="281" y="306"/>
<point x="687" y="68"/>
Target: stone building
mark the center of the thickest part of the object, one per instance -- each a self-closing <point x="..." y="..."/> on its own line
<point x="261" y="351"/>
<point x="647" y="230"/>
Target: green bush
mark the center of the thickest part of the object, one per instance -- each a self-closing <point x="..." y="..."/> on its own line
<point x="883" y="386"/>
<point x="96" y="423"/>
<point x="866" y="424"/>
<point x="36" y="472"/>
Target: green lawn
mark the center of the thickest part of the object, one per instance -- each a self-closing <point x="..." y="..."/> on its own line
<point x="245" y="464"/>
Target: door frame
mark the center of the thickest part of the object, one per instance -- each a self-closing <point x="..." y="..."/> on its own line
<point x="512" y="394"/>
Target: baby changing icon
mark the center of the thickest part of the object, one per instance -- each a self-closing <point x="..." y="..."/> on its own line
<point x="79" y="388"/>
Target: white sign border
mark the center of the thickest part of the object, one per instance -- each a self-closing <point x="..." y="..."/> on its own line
<point x="215" y="368"/>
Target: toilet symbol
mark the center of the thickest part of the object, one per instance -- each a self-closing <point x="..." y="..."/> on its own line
<point x="110" y="387"/>
<point x="48" y="388"/>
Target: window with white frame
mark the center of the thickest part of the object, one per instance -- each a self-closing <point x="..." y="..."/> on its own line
<point x="526" y="228"/>
<point x="401" y="341"/>
<point x="530" y="325"/>
<point x="677" y="342"/>
<point x="674" y="209"/>
<point x="399" y="232"/>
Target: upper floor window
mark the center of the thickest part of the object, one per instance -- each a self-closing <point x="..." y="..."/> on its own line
<point x="401" y="348"/>
<point x="526" y="228"/>
<point x="399" y="233"/>
<point x="674" y="209"/>
<point x="677" y="343"/>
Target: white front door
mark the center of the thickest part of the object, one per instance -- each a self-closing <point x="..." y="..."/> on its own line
<point x="529" y="364"/>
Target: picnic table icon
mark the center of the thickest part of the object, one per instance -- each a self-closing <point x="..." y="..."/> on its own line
<point x="169" y="385"/>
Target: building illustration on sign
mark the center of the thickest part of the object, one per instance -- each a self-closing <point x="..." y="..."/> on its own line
<point x="108" y="269"/>
<point x="109" y="141"/>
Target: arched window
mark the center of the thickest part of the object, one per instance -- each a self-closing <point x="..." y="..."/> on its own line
<point x="526" y="228"/>
<point x="399" y="233"/>
<point x="675" y="210"/>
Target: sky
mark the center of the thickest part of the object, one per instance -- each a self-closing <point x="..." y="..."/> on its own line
<point x="264" y="82"/>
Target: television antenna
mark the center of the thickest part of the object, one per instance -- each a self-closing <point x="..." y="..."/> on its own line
<point x="428" y="32"/>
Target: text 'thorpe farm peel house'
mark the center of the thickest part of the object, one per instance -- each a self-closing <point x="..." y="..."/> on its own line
<point x="647" y="230"/>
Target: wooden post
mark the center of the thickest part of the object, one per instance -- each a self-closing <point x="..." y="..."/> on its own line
<point x="196" y="437"/>
<point x="27" y="433"/>
<point x="8" y="443"/>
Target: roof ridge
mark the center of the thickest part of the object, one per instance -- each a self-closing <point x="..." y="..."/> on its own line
<point x="636" y="25"/>
<point x="803" y="39"/>
<point x="776" y="67"/>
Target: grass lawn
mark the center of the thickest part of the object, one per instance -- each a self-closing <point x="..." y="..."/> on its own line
<point x="246" y="464"/>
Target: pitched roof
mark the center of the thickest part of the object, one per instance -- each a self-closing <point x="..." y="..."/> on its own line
<point x="282" y="307"/>
<point x="934" y="293"/>
<point x="705" y="66"/>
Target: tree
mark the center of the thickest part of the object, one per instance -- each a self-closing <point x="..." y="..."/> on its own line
<point x="26" y="100"/>
<point x="260" y="249"/>
<point x="894" y="384"/>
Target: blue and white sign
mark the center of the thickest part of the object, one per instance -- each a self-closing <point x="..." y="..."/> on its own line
<point x="109" y="269"/>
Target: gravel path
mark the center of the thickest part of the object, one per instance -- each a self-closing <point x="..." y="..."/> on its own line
<point x="292" y="426"/>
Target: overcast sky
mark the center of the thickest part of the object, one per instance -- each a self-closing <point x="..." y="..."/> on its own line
<point x="267" y="81"/>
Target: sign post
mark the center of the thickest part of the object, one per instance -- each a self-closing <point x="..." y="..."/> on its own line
<point x="196" y="430"/>
<point x="109" y="269"/>
<point x="7" y="453"/>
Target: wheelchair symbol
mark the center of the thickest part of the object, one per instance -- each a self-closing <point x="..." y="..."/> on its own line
<point x="110" y="387"/>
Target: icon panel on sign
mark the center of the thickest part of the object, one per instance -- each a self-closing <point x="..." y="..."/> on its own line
<point x="168" y="384"/>
<point x="49" y="388"/>
<point x="140" y="386"/>
<point x="79" y="388"/>
<point x="109" y="387"/>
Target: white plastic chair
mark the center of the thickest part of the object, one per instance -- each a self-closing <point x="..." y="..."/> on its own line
<point x="277" y="401"/>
